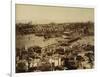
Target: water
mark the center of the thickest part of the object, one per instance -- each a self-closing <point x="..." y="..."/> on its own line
<point x="32" y="40"/>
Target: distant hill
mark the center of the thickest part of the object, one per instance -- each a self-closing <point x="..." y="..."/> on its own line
<point x="43" y="29"/>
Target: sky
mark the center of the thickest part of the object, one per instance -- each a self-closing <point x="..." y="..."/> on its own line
<point x="46" y="14"/>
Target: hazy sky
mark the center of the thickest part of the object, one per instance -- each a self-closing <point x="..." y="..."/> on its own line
<point x="47" y="14"/>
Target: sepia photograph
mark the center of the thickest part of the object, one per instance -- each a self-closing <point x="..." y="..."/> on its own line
<point x="53" y="38"/>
